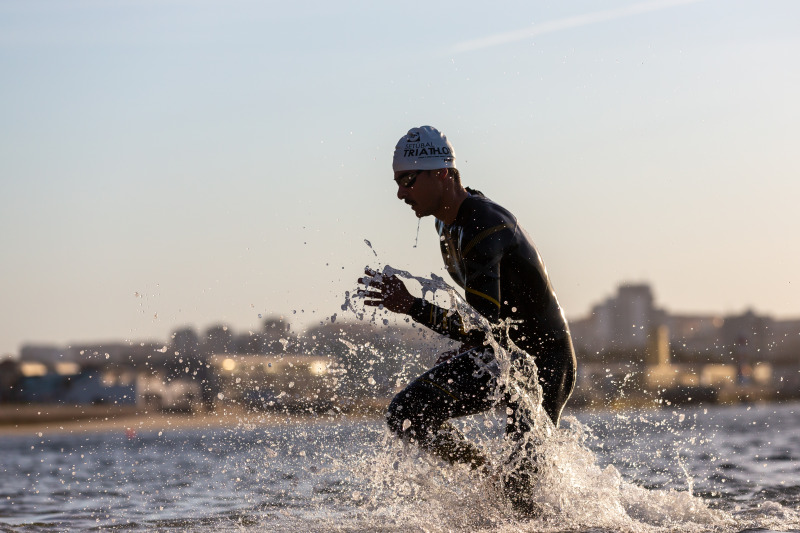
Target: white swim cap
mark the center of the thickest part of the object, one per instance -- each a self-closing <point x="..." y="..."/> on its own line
<point x="423" y="148"/>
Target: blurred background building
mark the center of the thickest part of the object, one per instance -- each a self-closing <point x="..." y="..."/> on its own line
<point x="629" y="351"/>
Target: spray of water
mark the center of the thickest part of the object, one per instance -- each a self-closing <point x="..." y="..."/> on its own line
<point x="570" y="487"/>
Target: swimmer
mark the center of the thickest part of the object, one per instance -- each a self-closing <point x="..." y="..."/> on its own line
<point x="490" y="256"/>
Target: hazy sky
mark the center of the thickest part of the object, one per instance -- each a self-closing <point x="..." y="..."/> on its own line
<point x="184" y="163"/>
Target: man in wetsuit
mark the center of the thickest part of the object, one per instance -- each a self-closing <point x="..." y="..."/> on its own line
<point x="491" y="257"/>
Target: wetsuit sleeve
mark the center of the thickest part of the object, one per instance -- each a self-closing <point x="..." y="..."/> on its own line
<point x="440" y="320"/>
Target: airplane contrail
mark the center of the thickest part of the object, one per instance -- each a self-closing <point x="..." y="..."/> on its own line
<point x="566" y="23"/>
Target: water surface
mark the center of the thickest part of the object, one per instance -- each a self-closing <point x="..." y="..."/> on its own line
<point x="720" y="469"/>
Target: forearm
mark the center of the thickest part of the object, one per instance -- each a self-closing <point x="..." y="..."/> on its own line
<point x="438" y="319"/>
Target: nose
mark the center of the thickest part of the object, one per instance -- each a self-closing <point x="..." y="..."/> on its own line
<point x="402" y="192"/>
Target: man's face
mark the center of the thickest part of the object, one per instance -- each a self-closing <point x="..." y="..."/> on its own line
<point x="420" y="189"/>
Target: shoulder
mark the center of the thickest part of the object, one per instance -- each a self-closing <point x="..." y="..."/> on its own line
<point x="481" y="213"/>
<point x="488" y="228"/>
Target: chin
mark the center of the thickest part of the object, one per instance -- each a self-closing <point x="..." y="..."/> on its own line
<point x="417" y="211"/>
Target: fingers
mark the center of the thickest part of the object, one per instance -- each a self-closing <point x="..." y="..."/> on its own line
<point x="381" y="283"/>
<point x="372" y="298"/>
<point x="372" y="277"/>
<point x="384" y="291"/>
<point x="376" y="274"/>
<point x="371" y="283"/>
<point x="375" y="295"/>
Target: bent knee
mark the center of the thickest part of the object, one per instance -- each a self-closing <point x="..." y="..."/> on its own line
<point x="395" y="416"/>
<point x="407" y="419"/>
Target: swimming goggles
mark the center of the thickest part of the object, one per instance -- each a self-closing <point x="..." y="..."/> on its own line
<point x="408" y="180"/>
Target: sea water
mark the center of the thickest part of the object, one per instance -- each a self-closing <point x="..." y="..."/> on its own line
<point x="720" y="469"/>
<point x="715" y="469"/>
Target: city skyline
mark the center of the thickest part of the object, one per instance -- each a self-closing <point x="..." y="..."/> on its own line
<point x="166" y="164"/>
<point x="648" y="313"/>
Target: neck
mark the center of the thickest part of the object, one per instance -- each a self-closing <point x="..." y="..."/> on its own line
<point x="453" y="198"/>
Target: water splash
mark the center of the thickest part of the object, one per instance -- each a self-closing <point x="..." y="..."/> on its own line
<point x="570" y="488"/>
<point x="400" y="483"/>
<point x="369" y="244"/>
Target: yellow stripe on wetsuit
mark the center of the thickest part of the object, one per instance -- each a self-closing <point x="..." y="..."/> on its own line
<point x="482" y="295"/>
<point x="433" y="319"/>
<point x="485" y="233"/>
<point x="439" y="319"/>
<point x="440" y="388"/>
<point x="474" y="242"/>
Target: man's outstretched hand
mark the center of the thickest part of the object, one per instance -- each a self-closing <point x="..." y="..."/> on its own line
<point x="389" y="291"/>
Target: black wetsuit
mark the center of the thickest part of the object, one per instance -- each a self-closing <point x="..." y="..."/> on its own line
<point x="492" y="258"/>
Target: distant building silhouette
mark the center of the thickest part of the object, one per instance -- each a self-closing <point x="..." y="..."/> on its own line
<point x="219" y="339"/>
<point x="629" y="323"/>
<point x="622" y="323"/>
<point x="185" y="342"/>
<point x="625" y="346"/>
